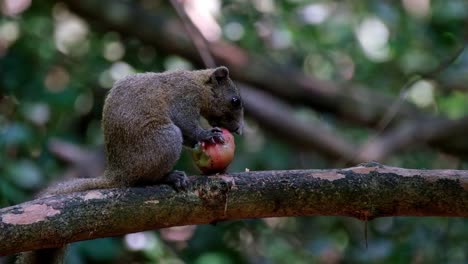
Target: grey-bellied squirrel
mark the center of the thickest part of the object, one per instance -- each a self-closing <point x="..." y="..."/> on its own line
<point x="146" y="120"/>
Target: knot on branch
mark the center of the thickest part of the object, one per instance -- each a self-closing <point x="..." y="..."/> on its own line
<point x="371" y="164"/>
<point x="215" y="193"/>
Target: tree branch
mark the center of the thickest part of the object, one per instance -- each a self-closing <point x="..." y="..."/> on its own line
<point x="278" y="117"/>
<point x="414" y="133"/>
<point x="197" y="38"/>
<point x="367" y="191"/>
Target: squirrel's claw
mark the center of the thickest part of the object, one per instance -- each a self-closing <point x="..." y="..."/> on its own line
<point x="217" y="139"/>
<point x="216" y="129"/>
<point x="214" y="135"/>
<point x="178" y="180"/>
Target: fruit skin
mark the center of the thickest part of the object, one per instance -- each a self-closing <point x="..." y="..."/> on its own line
<point x="213" y="158"/>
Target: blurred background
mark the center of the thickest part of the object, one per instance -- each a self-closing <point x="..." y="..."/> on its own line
<point x="326" y="84"/>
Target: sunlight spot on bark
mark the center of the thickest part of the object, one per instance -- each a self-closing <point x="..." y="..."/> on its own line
<point x="93" y="195"/>
<point x="31" y="214"/>
<point x="152" y="202"/>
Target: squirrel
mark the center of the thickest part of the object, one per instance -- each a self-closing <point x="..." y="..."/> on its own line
<point x="147" y="118"/>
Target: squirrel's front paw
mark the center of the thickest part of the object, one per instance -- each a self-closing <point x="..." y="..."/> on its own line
<point x="178" y="179"/>
<point x="214" y="135"/>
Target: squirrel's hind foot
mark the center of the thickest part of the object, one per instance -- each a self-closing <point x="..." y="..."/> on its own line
<point x="178" y="180"/>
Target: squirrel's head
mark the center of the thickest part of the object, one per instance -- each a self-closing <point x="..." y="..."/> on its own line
<point x="227" y="109"/>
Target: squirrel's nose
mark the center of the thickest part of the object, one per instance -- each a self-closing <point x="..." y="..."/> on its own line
<point x="239" y="129"/>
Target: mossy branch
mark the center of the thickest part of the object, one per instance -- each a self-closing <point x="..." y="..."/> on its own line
<point x="367" y="191"/>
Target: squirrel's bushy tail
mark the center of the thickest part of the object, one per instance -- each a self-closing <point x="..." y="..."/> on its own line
<point x="79" y="185"/>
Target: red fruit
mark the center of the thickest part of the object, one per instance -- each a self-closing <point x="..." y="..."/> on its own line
<point x="213" y="158"/>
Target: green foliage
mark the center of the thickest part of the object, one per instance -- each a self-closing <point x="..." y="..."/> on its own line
<point x="56" y="69"/>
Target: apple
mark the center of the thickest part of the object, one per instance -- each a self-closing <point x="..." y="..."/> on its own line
<point x="213" y="158"/>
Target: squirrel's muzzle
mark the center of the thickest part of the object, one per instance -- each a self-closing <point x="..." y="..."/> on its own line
<point x="240" y="128"/>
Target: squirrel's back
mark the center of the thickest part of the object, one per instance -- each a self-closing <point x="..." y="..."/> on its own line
<point x="151" y="96"/>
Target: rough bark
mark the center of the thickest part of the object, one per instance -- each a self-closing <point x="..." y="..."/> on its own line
<point x="365" y="192"/>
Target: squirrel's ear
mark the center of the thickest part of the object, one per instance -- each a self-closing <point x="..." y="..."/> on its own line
<point x="220" y="74"/>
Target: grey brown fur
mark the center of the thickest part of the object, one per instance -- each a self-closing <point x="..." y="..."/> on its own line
<point x="148" y="117"/>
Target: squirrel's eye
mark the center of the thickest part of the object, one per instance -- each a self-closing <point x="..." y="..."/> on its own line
<point x="235" y="101"/>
